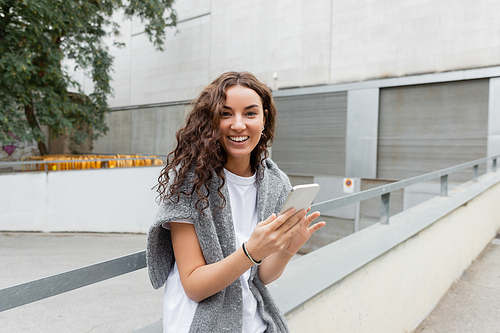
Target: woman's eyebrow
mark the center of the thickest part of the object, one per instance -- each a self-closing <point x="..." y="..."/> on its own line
<point x="246" y="107"/>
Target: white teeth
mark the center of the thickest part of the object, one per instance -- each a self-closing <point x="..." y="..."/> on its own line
<point x="238" y="138"/>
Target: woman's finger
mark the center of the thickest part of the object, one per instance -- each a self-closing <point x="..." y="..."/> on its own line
<point x="269" y="219"/>
<point x="294" y="219"/>
<point x="311" y="217"/>
<point x="315" y="227"/>
<point x="295" y="227"/>
<point x="305" y="221"/>
<point x="281" y="219"/>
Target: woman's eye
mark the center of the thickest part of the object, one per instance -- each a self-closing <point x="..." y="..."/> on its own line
<point x="251" y="114"/>
<point x="226" y="114"/>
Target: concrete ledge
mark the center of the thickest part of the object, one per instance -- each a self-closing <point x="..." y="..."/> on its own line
<point x="387" y="278"/>
<point x="100" y="200"/>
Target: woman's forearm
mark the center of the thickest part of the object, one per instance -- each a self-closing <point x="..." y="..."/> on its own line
<point x="208" y="280"/>
<point x="273" y="266"/>
<point x="198" y="279"/>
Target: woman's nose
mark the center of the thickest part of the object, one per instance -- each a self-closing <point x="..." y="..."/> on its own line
<point x="238" y="124"/>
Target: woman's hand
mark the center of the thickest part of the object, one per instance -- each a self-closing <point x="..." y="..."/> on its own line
<point x="287" y="232"/>
<point x="274" y="265"/>
<point x="302" y="235"/>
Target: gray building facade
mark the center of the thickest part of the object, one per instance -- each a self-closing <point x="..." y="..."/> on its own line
<point x="374" y="90"/>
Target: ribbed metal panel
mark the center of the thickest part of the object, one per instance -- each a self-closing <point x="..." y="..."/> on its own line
<point x="424" y="128"/>
<point x="310" y="138"/>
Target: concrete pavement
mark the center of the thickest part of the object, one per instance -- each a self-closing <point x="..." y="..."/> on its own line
<point x="472" y="304"/>
<point x="121" y="304"/>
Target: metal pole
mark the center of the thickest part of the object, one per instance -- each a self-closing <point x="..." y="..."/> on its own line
<point x="357" y="205"/>
<point x="357" y="211"/>
<point x="444" y="186"/>
<point x="475" y="172"/>
<point x="384" y="208"/>
<point x="494" y="165"/>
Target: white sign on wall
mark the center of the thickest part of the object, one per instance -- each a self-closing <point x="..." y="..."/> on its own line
<point x="348" y="185"/>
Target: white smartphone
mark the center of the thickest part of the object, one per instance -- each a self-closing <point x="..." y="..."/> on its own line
<point x="300" y="197"/>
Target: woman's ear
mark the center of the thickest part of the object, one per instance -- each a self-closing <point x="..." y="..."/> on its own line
<point x="265" y="114"/>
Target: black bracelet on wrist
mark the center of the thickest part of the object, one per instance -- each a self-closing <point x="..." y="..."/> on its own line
<point x="249" y="256"/>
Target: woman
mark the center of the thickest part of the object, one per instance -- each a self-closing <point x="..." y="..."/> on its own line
<point x="207" y="244"/>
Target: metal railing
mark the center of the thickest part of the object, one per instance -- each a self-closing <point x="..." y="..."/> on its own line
<point x="384" y="191"/>
<point x="25" y="293"/>
<point x="32" y="291"/>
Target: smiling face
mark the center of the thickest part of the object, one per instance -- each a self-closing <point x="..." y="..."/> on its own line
<point x="242" y="118"/>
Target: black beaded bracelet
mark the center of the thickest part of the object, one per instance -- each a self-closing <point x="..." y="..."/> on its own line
<point x="249" y="256"/>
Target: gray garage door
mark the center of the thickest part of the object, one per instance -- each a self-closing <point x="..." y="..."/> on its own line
<point x="423" y="128"/>
<point x="311" y="134"/>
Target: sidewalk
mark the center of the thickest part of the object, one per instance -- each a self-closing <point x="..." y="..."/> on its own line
<point x="472" y="304"/>
<point x="122" y="304"/>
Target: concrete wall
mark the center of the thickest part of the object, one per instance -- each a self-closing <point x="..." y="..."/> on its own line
<point x="305" y="42"/>
<point x="387" y="278"/>
<point x="313" y="45"/>
<point x="373" y="39"/>
<point x="107" y="200"/>
<point x="147" y="131"/>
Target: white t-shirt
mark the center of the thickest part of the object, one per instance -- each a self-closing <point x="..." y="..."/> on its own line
<point x="178" y="309"/>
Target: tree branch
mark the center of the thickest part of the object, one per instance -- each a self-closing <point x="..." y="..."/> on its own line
<point x="32" y="121"/>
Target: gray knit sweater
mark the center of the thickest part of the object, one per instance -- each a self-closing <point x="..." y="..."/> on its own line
<point x="222" y="312"/>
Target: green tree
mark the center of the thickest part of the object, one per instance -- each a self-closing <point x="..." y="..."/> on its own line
<point x="37" y="35"/>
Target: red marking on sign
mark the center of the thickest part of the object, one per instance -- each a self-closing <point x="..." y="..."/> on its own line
<point x="348" y="182"/>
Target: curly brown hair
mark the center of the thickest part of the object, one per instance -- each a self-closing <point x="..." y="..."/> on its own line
<point x="198" y="141"/>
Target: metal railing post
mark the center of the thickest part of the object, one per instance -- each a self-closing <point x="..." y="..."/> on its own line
<point x="384" y="208"/>
<point x="356" y="216"/>
<point x="475" y="172"/>
<point x="444" y="186"/>
<point x="494" y="165"/>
